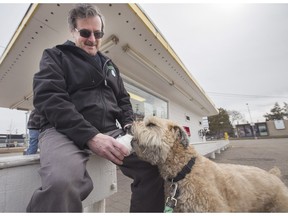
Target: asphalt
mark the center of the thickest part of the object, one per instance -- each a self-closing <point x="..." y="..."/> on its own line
<point x="120" y="201"/>
<point x="262" y="153"/>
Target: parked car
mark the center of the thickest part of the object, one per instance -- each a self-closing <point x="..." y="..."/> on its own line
<point x="9" y="145"/>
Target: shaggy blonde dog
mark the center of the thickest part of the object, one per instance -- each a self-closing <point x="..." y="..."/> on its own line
<point x="203" y="185"/>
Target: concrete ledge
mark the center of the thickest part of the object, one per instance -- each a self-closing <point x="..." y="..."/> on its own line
<point x="19" y="179"/>
<point x="210" y="148"/>
<point x="19" y="160"/>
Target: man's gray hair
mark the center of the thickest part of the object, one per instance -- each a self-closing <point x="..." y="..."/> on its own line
<point x="81" y="11"/>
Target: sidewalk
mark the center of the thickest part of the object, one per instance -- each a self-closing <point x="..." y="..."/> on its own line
<point x="120" y="201"/>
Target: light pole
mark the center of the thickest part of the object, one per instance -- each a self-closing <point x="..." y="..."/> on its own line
<point x="251" y="122"/>
<point x="26" y="128"/>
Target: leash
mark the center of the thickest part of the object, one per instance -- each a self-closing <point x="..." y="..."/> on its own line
<point x="171" y="200"/>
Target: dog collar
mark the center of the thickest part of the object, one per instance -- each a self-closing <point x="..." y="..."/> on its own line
<point x="185" y="170"/>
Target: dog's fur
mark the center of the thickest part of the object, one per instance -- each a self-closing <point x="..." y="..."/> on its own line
<point x="210" y="186"/>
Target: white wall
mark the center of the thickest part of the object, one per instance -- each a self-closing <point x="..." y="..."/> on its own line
<point x="178" y="114"/>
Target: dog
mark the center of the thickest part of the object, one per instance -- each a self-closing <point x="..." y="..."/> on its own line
<point x="194" y="183"/>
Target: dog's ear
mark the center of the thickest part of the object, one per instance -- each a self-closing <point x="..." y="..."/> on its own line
<point x="182" y="136"/>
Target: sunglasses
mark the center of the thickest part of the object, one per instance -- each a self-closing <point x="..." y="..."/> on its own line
<point x="87" y="33"/>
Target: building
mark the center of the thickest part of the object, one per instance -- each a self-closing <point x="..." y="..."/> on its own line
<point x="11" y="140"/>
<point x="272" y="128"/>
<point x="157" y="80"/>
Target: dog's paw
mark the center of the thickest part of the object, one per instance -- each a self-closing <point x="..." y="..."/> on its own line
<point x="126" y="141"/>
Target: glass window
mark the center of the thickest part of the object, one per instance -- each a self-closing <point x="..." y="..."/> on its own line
<point x="262" y="130"/>
<point x="146" y="104"/>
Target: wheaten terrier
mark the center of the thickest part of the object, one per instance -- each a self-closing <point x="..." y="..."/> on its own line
<point x="194" y="183"/>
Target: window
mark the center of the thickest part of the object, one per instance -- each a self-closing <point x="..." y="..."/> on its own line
<point x="262" y="130"/>
<point x="146" y="104"/>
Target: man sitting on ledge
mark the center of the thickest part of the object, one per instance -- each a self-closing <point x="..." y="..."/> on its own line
<point x="80" y="95"/>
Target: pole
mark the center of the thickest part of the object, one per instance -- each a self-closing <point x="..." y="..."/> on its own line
<point x="249" y="113"/>
<point x="251" y="122"/>
<point x="26" y="129"/>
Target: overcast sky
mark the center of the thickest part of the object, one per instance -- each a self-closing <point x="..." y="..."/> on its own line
<point x="238" y="53"/>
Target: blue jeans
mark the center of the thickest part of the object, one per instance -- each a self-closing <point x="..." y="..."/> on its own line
<point x="33" y="141"/>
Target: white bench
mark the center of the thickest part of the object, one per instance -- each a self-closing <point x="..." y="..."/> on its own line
<point x="19" y="178"/>
<point x="209" y="148"/>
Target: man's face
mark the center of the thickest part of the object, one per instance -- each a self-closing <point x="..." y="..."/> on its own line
<point x="89" y="44"/>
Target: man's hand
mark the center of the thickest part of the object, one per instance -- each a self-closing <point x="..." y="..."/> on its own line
<point x="107" y="147"/>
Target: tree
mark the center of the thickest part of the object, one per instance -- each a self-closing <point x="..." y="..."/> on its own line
<point x="218" y="124"/>
<point x="277" y="112"/>
<point x="285" y="109"/>
<point x="234" y="115"/>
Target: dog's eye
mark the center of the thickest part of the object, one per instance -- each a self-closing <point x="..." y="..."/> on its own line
<point x="150" y="125"/>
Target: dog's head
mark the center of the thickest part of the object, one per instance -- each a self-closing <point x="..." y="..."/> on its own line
<point x="154" y="137"/>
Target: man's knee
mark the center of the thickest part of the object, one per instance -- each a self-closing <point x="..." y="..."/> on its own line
<point x="67" y="181"/>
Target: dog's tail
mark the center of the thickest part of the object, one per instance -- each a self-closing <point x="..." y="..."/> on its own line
<point x="275" y="171"/>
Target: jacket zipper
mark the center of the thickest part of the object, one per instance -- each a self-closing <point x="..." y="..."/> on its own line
<point x="105" y="75"/>
<point x="105" y="82"/>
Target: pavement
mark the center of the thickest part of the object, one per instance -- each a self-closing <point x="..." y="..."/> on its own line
<point x="262" y="153"/>
<point x="120" y="201"/>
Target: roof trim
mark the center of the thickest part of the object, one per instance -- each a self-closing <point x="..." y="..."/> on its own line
<point x="18" y="31"/>
<point x="139" y="12"/>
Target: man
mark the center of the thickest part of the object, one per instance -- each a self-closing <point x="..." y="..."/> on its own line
<point x="80" y="95"/>
<point x="33" y="126"/>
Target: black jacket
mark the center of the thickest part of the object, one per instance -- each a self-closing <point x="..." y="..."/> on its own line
<point x="34" y="120"/>
<point x="77" y="96"/>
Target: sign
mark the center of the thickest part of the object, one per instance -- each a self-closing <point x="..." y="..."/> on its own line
<point x="279" y="124"/>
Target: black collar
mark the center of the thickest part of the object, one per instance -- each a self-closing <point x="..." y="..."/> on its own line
<point x="186" y="169"/>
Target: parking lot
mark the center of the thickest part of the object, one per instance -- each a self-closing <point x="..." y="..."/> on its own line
<point x="262" y="153"/>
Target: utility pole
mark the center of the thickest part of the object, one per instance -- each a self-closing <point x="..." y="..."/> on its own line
<point x="252" y="123"/>
<point x="26" y="129"/>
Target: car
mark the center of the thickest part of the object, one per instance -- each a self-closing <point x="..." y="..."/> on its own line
<point x="9" y="145"/>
